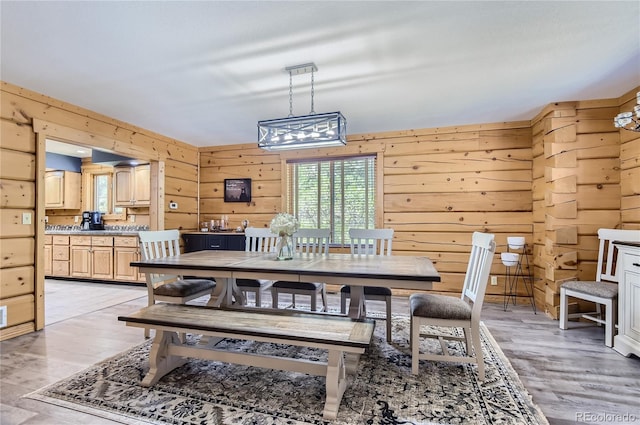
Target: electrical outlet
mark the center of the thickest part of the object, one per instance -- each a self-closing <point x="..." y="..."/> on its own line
<point x="173" y="205"/>
<point x="132" y="218"/>
<point x="26" y="218"/>
<point x="494" y="280"/>
<point x="76" y="219"/>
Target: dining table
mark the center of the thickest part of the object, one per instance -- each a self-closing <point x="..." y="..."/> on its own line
<point x="392" y="271"/>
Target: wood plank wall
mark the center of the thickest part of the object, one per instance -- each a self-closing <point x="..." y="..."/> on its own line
<point x="25" y="117"/>
<point x="577" y="189"/>
<point x="629" y="168"/>
<point x="439" y="185"/>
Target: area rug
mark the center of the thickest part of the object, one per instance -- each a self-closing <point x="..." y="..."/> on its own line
<point x="382" y="392"/>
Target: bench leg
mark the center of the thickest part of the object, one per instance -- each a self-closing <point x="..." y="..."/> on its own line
<point x="336" y="383"/>
<point x="160" y="361"/>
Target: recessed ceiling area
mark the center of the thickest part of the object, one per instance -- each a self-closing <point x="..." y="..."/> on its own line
<point x="67" y="149"/>
<point x="206" y="72"/>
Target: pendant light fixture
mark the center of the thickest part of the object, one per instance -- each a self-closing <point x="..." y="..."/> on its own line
<point x="306" y="131"/>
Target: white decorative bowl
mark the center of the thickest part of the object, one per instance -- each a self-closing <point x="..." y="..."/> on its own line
<point x="515" y="242"/>
<point x="509" y="259"/>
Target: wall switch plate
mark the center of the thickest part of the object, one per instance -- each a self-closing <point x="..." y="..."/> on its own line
<point x="26" y="218"/>
<point x="494" y="280"/>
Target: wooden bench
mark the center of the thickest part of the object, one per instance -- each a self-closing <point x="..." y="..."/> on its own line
<point x="344" y="339"/>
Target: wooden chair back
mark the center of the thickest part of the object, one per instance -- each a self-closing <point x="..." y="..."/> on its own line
<point x="371" y="241"/>
<point x="607" y="252"/>
<point x="483" y="247"/>
<point x="159" y="244"/>
<point x="312" y="241"/>
<point x="259" y="240"/>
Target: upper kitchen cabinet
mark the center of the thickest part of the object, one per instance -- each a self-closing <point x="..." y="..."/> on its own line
<point x="132" y="186"/>
<point x="62" y="190"/>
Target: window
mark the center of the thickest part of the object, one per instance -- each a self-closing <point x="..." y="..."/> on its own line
<point x="338" y="194"/>
<point x="99" y="192"/>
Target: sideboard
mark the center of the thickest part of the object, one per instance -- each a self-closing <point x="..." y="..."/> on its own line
<point x="223" y="241"/>
<point x="627" y="341"/>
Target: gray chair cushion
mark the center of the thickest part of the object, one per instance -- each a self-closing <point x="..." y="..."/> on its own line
<point x="184" y="287"/>
<point x="308" y="286"/>
<point x="597" y="289"/>
<point x="439" y="307"/>
<point x="369" y="290"/>
<point x="249" y="283"/>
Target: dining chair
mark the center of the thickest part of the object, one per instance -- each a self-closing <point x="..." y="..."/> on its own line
<point x="257" y="239"/>
<point x="604" y="290"/>
<point x="166" y="287"/>
<point x="370" y="242"/>
<point x="446" y="311"/>
<point x="307" y="241"/>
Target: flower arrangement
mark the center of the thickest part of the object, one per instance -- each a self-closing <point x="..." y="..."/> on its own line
<point x="284" y="224"/>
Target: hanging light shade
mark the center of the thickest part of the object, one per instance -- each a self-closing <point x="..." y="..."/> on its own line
<point x="305" y="131"/>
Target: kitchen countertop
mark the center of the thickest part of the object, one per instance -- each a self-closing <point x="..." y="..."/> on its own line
<point x="93" y="232"/>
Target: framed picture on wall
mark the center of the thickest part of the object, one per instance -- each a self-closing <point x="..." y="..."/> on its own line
<point x="237" y="190"/>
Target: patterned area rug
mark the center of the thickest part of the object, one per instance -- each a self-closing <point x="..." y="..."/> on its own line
<point x="383" y="392"/>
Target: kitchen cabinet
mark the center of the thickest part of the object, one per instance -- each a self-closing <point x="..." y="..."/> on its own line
<point x="627" y="341"/>
<point x="126" y="250"/>
<point x="213" y="241"/>
<point x="62" y="190"/>
<point x="48" y="255"/>
<point x="60" y="256"/>
<point x="132" y="186"/>
<point x="91" y="257"/>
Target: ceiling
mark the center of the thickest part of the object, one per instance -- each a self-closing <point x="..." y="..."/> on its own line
<point x="205" y="72"/>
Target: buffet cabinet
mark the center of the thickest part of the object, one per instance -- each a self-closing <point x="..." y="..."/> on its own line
<point x="627" y="341"/>
<point x="222" y="241"/>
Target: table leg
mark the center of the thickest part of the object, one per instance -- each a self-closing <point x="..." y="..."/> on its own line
<point x="160" y="361"/>
<point x="356" y="302"/>
<point x="336" y="383"/>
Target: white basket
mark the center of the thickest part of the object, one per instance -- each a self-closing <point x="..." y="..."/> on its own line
<point x="515" y="242"/>
<point x="509" y="259"/>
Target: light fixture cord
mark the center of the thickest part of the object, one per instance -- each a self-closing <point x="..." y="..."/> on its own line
<point x="312" y="111"/>
<point x="290" y="94"/>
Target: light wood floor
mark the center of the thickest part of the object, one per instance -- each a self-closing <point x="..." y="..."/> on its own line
<point x="570" y="374"/>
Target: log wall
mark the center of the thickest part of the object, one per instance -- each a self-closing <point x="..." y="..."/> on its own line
<point x="26" y="118"/>
<point x="579" y="185"/>
<point x="438" y="186"/>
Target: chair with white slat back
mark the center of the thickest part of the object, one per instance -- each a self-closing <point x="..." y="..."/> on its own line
<point x="164" y="287"/>
<point x="257" y="240"/>
<point x="370" y="242"/>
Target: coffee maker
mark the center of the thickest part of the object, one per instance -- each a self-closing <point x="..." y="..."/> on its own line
<point x="92" y="220"/>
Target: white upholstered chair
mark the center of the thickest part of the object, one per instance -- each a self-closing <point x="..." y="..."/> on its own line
<point x="604" y="290"/>
<point x="313" y="241"/>
<point x="464" y="312"/>
<point x="257" y="239"/>
<point x="164" y="287"/>
<point x="370" y="242"/>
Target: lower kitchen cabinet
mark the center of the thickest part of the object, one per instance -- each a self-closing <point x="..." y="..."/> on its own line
<point x="126" y="250"/>
<point x="92" y="257"/>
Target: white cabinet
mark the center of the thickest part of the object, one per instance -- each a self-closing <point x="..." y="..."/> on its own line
<point x="627" y="341"/>
<point x="132" y="186"/>
<point x="62" y="190"/>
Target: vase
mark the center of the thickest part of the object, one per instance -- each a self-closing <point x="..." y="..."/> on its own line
<point x="284" y="247"/>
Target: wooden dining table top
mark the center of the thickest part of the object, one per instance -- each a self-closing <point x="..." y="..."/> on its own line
<point x="303" y="267"/>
